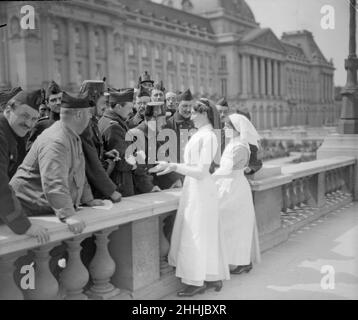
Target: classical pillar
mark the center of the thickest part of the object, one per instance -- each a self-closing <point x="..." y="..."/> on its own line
<point x="102" y="268"/>
<point x="49" y="49"/>
<point x="113" y="65"/>
<point x="72" y="56"/>
<point x="269" y="78"/>
<point x="178" y="73"/>
<point x="275" y="72"/>
<point x="152" y="58"/>
<point x="46" y="285"/>
<point x="91" y="52"/>
<point x="244" y="69"/>
<point x="263" y="77"/>
<point x="256" y="75"/>
<point x="283" y="79"/>
<point x="3" y="49"/>
<point x="75" y="276"/>
<point x="249" y="76"/>
<point x="165" y="64"/>
<point x="139" y="54"/>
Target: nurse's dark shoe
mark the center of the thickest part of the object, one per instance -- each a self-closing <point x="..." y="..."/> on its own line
<point x="190" y="291"/>
<point x="242" y="269"/>
<point x="217" y="285"/>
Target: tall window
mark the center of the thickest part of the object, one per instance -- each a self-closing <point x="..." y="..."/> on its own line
<point x="77" y="37"/>
<point x="131" y="49"/>
<point x="191" y="58"/>
<point x="55" y="33"/>
<point x="96" y="39"/>
<point x="170" y="55"/>
<point x="223" y="62"/>
<point x="156" y="53"/>
<point x="144" y="51"/>
<point x="224" y="87"/>
<point x="181" y="57"/>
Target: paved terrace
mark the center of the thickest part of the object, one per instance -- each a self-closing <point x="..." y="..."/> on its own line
<point x="292" y="270"/>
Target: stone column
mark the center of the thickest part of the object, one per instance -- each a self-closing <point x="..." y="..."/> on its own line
<point x="113" y="65"/>
<point x="72" y="56"/>
<point x="269" y="78"/>
<point x="249" y="77"/>
<point x="178" y="63"/>
<point x="49" y="48"/>
<point x="256" y="76"/>
<point x="91" y="52"/>
<point x="263" y="76"/>
<point x="244" y="69"/>
<point x="140" y="61"/>
<point x="275" y="78"/>
<point x="3" y="49"/>
<point x="283" y="78"/>
<point x="165" y="64"/>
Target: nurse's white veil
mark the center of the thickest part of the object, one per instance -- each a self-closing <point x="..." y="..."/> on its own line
<point x="247" y="130"/>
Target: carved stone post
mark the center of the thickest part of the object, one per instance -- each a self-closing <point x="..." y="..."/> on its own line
<point x="75" y="276"/>
<point x="102" y="268"/>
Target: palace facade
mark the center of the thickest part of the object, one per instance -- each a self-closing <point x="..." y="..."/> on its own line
<point x="214" y="47"/>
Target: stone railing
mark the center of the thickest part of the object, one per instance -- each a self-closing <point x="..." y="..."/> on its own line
<point x="122" y="252"/>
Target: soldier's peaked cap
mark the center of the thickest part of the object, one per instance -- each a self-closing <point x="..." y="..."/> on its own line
<point x="32" y="98"/>
<point x="70" y="102"/>
<point x="185" y="96"/>
<point x="124" y="95"/>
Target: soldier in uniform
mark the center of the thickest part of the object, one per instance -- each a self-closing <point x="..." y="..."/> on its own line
<point x="171" y="102"/>
<point x="52" y="179"/>
<point x="19" y="116"/>
<point x="53" y="101"/>
<point x="142" y="99"/>
<point x="145" y="81"/>
<point x="223" y="109"/>
<point x="113" y="128"/>
<point x="180" y="122"/>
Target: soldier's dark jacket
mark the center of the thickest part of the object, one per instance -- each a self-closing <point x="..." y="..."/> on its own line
<point x="129" y="182"/>
<point x="92" y="144"/>
<point x="12" y="153"/>
<point x="41" y="125"/>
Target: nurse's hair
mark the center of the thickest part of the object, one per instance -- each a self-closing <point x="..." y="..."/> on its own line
<point x="204" y="105"/>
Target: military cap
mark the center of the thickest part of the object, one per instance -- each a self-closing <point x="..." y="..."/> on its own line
<point x="53" y="88"/>
<point x="145" y="77"/>
<point x="6" y="95"/>
<point x="124" y="95"/>
<point x="185" y="96"/>
<point x="32" y="98"/>
<point x="222" y="102"/>
<point x="159" y="86"/>
<point x="143" y="92"/>
<point x="70" y="102"/>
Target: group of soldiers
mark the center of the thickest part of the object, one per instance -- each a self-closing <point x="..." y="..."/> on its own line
<point x="59" y="151"/>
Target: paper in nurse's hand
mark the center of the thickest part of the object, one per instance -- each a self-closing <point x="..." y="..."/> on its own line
<point x="108" y="204"/>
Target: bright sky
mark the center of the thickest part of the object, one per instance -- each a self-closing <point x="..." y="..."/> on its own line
<point x="290" y="15"/>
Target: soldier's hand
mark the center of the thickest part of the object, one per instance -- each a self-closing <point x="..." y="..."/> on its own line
<point x="156" y="189"/>
<point x="38" y="232"/>
<point x="113" y="154"/>
<point x="95" y="203"/>
<point x="116" y="196"/>
<point x="75" y="225"/>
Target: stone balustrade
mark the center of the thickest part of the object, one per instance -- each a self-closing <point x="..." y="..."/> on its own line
<point x="122" y="253"/>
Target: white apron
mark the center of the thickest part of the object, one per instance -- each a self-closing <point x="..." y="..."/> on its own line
<point x="196" y="250"/>
<point x="237" y="214"/>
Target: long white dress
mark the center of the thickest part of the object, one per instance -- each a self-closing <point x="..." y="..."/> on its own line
<point x="196" y="247"/>
<point x="237" y="213"/>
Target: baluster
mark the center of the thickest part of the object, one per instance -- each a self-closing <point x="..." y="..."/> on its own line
<point x="340" y="183"/>
<point x="75" y="276"/>
<point x="303" y="199"/>
<point x="164" y="248"/>
<point x="284" y="200"/>
<point x="294" y="195"/>
<point x="8" y="287"/>
<point x="328" y="184"/>
<point x="102" y="268"/>
<point x="335" y="185"/>
<point x="46" y="285"/>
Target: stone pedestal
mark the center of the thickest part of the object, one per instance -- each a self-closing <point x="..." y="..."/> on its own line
<point x="134" y="248"/>
<point x="341" y="145"/>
